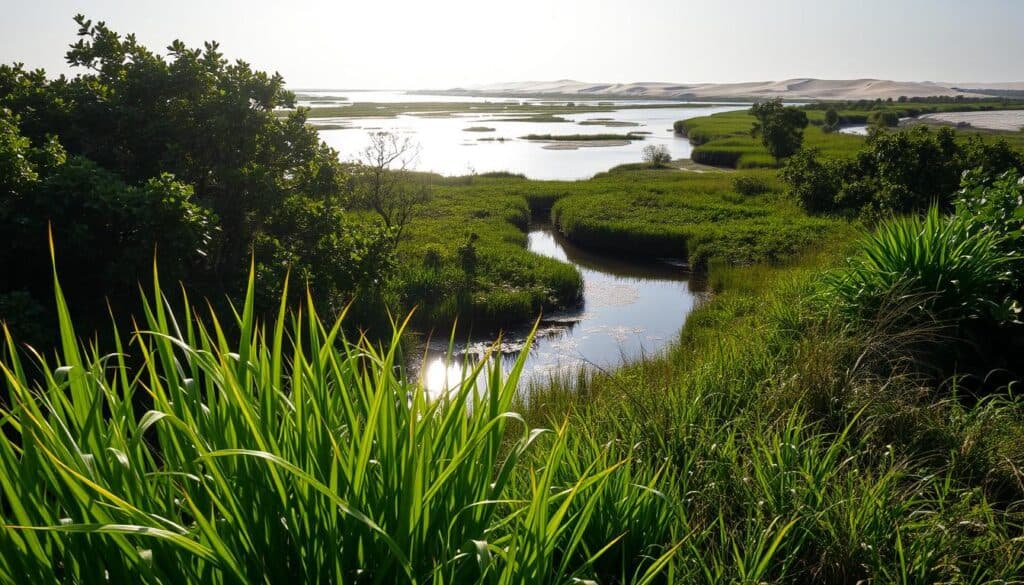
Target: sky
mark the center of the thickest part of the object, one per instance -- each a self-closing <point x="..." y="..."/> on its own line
<point x="413" y="44"/>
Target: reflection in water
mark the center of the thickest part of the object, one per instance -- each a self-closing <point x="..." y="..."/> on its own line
<point x="446" y="148"/>
<point x="630" y="309"/>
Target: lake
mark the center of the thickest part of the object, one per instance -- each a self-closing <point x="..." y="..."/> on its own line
<point x="630" y="309"/>
<point x="447" y="148"/>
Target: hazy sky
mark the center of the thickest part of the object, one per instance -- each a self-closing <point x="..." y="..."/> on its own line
<point x="446" y="43"/>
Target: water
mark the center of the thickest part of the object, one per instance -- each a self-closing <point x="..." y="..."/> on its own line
<point x="447" y="149"/>
<point x="859" y="130"/>
<point x="631" y="309"/>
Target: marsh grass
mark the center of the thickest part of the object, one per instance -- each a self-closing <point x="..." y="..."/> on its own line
<point x="282" y="452"/>
<point x="805" y="449"/>
<point x="762" y="448"/>
<point x="698" y="216"/>
<point x="581" y="137"/>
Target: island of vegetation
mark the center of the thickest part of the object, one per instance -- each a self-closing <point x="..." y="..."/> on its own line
<point x="204" y="375"/>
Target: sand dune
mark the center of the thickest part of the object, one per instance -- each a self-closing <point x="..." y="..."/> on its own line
<point x="790" y="89"/>
<point x="1006" y="120"/>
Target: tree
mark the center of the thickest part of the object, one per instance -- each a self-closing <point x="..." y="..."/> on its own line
<point x="831" y="120"/>
<point x="383" y="183"/>
<point x="896" y="172"/>
<point x="211" y="123"/>
<point x="884" y="119"/>
<point x="814" y="182"/>
<point x="106" y="230"/>
<point x="781" y="128"/>
<point x="182" y="153"/>
<point x="656" y="155"/>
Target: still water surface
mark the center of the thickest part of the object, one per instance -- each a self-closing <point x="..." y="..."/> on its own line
<point x="630" y="309"/>
<point x="447" y="148"/>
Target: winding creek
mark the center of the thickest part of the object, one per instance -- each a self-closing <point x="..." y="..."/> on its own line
<point x="630" y="309"/>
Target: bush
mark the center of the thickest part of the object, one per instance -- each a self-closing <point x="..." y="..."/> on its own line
<point x="813" y="181"/>
<point x="946" y="267"/>
<point x="656" y="155"/>
<point x="433" y="257"/>
<point x="749" y="186"/>
<point x="831" y="120"/>
<point x="884" y="119"/>
<point x="896" y="172"/>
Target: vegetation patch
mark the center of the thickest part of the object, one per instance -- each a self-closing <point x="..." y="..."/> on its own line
<point x="464" y="258"/>
<point x="579" y="137"/>
<point x="608" y="123"/>
<point x="699" y="216"/>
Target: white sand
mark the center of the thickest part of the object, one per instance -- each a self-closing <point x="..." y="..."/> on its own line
<point x="791" y="89"/>
<point x="1009" y="120"/>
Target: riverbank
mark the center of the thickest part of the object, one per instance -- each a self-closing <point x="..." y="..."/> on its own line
<point x="785" y="443"/>
<point x="631" y="211"/>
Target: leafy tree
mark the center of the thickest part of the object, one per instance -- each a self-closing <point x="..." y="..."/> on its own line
<point x="108" y="230"/>
<point x="813" y="181"/>
<point x="210" y="123"/>
<point x="831" y="120"/>
<point x="884" y="119"/>
<point x="186" y="154"/>
<point x="781" y="128"/>
<point x="656" y="155"/>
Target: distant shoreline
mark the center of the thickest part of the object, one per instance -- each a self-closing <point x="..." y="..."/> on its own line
<point x="792" y="90"/>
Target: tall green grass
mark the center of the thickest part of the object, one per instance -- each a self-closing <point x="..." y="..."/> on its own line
<point x="767" y="447"/>
<point x="952" y="271"/>
<point x="802" y="451"/>
<point x="211" y="450"/>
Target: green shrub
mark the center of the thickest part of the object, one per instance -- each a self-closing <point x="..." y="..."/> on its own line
<point x="750" y="185"/>
<point x="947" y="269"/>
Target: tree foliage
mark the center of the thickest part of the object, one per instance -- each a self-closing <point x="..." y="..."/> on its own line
<point x="781" y="128"/>
<point x="831" y="120"/>
<point x="656" y="155"/>
<point x="896" y="172"/>
<point x="184" y="152"/>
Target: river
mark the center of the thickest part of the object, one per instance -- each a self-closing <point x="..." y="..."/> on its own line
<point x="630" y="309"/>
